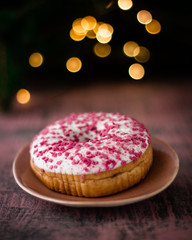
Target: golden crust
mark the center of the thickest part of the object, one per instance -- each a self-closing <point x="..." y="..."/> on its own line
<point x="96" y="185"/>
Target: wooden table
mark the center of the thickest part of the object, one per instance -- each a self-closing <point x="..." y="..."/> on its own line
<point x="165" y="109"/>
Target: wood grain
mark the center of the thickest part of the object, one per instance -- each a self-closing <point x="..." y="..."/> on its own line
<point x="165" y="109"/>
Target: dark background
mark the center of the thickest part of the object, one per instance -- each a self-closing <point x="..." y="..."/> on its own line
<point x="43" y="26"/>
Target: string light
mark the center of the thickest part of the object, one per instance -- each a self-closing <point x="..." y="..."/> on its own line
<point x="143" y="55"/>
<point x="23" y="96"/>
<point x="154" y="27"/>
<point x="131" y="49"/>
<point x="144" y="17"/>
<point x="102" y="50"/>
<point x="136" y="71"/>
<point x="125" y="4"/>
<point x="35" y="59"/>
<point x="73" y="64"/>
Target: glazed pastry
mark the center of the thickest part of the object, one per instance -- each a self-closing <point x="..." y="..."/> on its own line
<point x="92" y="154"/>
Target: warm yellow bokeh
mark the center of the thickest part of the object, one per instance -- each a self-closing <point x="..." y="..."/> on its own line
<point x="125" y="4"/>
<point x="143" y="55"/>
<point x="75" y="36"/>
<point x="102" y="39"/>
<point x="102" y="50"/>
<point x="77" y="27"/>
<point x="96" y="28"/>
<point x="105" y="30"/>
<point x="73" y="64"/>
<point x="23" y="96"/>
<point x="91" y="34"/>
<point x="144" y="17"/>
<point x="131" y="49"/>
<point x="88" y="23"/>
<point x="153" y="27"/>
<point x="136" y="71"/>
<point x="35" y="59"/>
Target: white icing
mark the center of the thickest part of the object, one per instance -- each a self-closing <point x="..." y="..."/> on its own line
<point x="113" y="144"/>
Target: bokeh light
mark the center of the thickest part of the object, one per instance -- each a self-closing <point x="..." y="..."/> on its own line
<point x="96" y="28"/>
<point x="144" y="17"/>
<point x="77" y="27"/>
<point x="105" y="30"/>
<point x="91" y="34"/>
<point x="35" y="59"/>
<point x="153" y="27"/>
<point x="73" y="64"/>
<point x="102" y="39"/>
<point x="88" y="23"/>
<point x="102" y="50"/>
<point x="125" y="4"/>
<point x="136" y="71"/>
<point x="23" y="96"/>
<point x="76" y="36"/>
<point x="143" y="55"/>
<point x="131" y="49"/>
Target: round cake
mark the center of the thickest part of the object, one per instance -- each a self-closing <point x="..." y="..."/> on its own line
<point x="92" y="154"/>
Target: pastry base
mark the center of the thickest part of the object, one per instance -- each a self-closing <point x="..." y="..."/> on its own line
<point x="97" y="185"/>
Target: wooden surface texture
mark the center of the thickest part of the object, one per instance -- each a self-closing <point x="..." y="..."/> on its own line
<point x="165" y="109"/>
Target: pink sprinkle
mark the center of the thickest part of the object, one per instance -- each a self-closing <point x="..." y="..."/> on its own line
<point x="131" y="151"/>
<point x="54" y="154"/>
<point x="67" y="154"/>
<point x="42" y="170"/>
<point x="50" y="167"/>
<point x="75" y="162"/>
<point x="144" y="145"/>
<point x="92" y="148"/>
<point x="123" y="163"/>
<point x="118" y="157"/>
<point x="35" y="151"/>
<point x="109" y="164"/>
<point x="43" y="142"/>
<point x="133" y="158"/>
<point x="59" y="162"/>
<point x="55" y="166"/>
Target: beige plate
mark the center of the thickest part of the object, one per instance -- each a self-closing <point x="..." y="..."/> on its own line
<point x="161" y="175"/>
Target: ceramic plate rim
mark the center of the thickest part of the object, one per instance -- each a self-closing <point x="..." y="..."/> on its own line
<point x="92" y="203"/>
